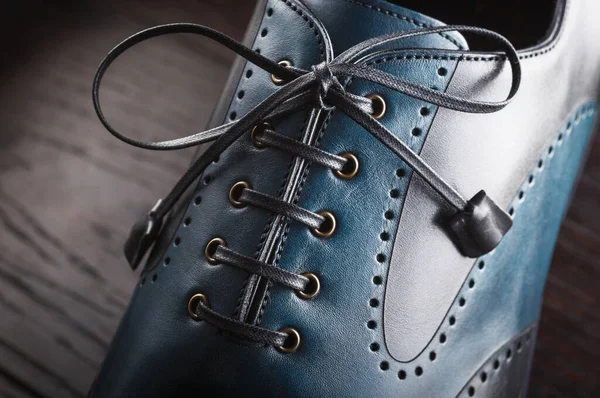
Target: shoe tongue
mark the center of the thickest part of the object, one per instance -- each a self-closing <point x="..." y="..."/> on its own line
<point x="349" y="22"/>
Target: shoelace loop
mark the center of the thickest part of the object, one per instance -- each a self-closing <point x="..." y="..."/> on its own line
<point x="325" y="79"/>
<point x="478" y="225"/>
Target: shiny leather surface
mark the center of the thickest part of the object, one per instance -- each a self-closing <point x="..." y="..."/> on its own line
<point x="503" y="300"/>
<point x="502" y="374"/>
<point x="491" y="152"/>
<point x="334" y="16"/>
<point x="159" y="351"/>
<point x="148" y="331"/>
<point x="351" y="21"/>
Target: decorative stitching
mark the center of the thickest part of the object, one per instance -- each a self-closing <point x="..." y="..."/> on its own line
<point x="262" y="33"/>
<point x="556" y="40"/>
<point x="455" y="42"/>
<point x="407" y="19"/>
<point x="310" y="23"/>
<point x="417" y="57"/>
<point x="540" y="52"/>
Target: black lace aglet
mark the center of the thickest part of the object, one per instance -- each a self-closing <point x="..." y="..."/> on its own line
<point x="480" y="227"/>
<point x="142" y="237"/>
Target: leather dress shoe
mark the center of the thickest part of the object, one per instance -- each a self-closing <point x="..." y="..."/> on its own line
<point x="376" y="211"/>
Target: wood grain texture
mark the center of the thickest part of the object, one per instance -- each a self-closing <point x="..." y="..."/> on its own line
<point x="69" y="192"/>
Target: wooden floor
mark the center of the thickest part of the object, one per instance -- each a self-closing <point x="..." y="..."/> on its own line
<point x="69" y="192"/>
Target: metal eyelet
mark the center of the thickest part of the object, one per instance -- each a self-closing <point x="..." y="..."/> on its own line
<point x="211" y="248"/>
<point x="257" y="131"/>
<point x="378" y="104"/>
<point x="292" y="342"/>
<point x="236" y="192"/>
<point x="350" y="169"/>
<point x="276" y="80"/>
<point x="312" y="289"/>
<point x="193" y="303"/>
<point x="328" y="226"/>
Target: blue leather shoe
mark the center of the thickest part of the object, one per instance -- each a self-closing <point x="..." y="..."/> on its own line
<point x="376" y="212"/>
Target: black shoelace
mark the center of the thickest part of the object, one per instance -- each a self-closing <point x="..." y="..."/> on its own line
<point x="478" y="225"/>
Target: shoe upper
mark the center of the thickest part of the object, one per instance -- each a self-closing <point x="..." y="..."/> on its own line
<point x="400" y="309"/>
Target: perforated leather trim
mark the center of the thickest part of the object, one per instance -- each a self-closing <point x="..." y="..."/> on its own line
<point x="505" y="374"/>
<point x="556" y="83"/>
<point x="426" y="359"/>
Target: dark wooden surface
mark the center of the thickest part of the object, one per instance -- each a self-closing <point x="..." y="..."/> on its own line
<point x="69" y="192"/>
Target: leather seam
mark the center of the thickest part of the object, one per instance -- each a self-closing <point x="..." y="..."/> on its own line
<point x="231" y="112"/>
<point x="453" y="41"/>
<point x="417" y="57"/>
<point x="405" y="18"/>
<point x="459" y="58"/>
<point x="495" y="361"/>
<point x="261" y="242"/>
<point x="284" y="238"/>
<point x="384" y="365"/>
<point x="271" y="219"/>
<point x="540" y="52"/>
<point x="556" y="141"/>
<point x="310" y="24"/>
<point x="560" y="28"/>
<point x="279" y="247"/>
